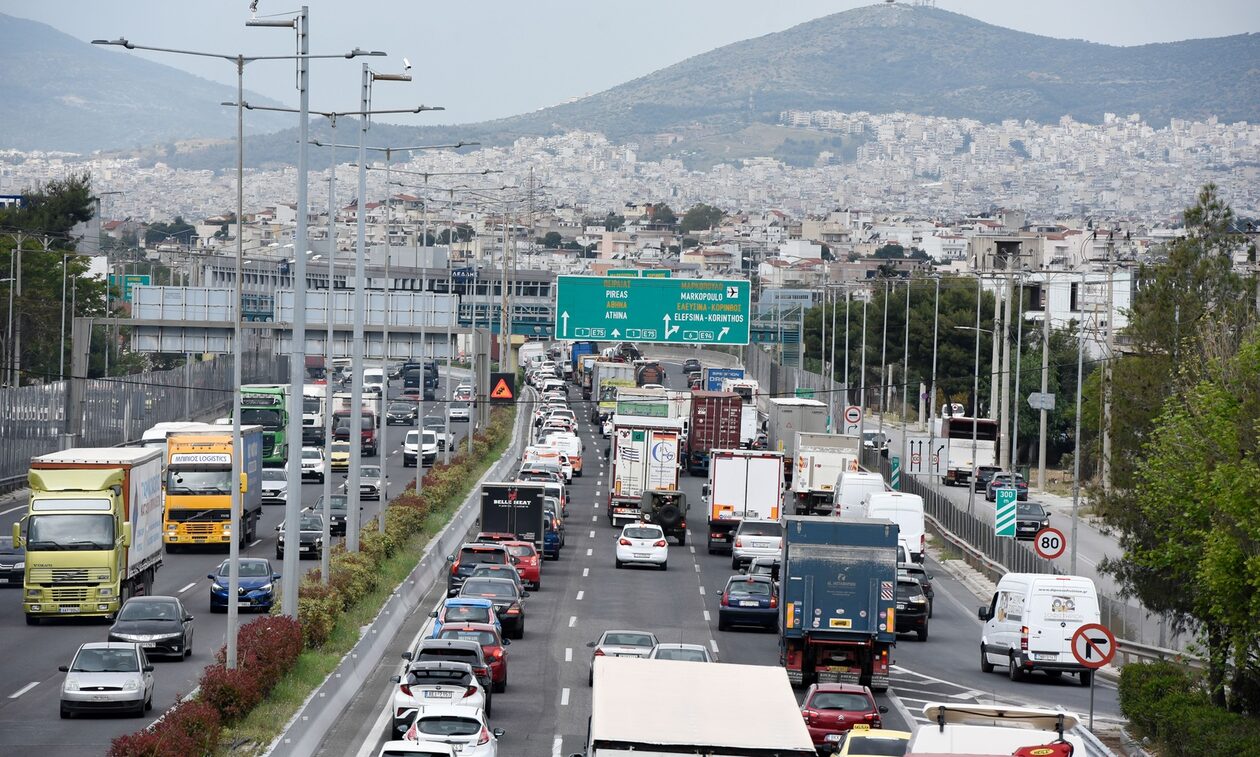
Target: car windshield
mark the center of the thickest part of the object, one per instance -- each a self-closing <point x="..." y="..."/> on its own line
<point x="643" y="533"/>
<point x="498" y="588"/>
<point x="466" y="614"/>
<point x="69" y="532"/>
<point x="149" y="609"/>
<point x="448" y="725"/>
<point x="369" y="471"/>
<point x="401" y="407"/>
<point x="434" y="423"/>
<point x="478" y="556"/>
<point x="337" y="502"/>
<point x="274" y="474"/>
<point x="909" y="587"/>
<point x="751" y="528"/>
<point x="341" y="447"/>
<point x="248" y="569"/>
<point x="311" y="454"/>
<point x="105" y="661"/>
<point x="688" y="655"/>
<point x="629" y="639"/>
<point x="1030" y="510"/>
<point x="186" y="481"/>
<point x="875" y="747"/>
<point x="759" y="588"/>
<point x="312" y="523"/>
<point x="840" y="700"/>
<point x="423" y="676"/>
<point x="484" y="638"/>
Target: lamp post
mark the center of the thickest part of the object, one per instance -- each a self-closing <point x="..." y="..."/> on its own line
<point x="975" y="397"/>
<point x="234" y="543"/>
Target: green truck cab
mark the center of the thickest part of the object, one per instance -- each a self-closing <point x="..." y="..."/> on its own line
<point x="92" y="531"/>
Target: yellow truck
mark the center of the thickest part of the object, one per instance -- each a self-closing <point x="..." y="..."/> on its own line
<point x="199" y="488"/>
<point x="92" y="531"/>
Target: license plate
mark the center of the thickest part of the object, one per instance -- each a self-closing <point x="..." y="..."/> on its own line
<point x="67" y="610"/>
<point x="244" y="603"/>
<point x="749" y="603"/>
<point x="760" y="545"/>
<point x="100" y="697"/>
<point x="1043" y="656"/>
<point x="642" y="554"/>
<point x="901" y="606"/>
<point x="437" y="695"/>
<point x="149" y="646"/>
<point x="834" y="736"/>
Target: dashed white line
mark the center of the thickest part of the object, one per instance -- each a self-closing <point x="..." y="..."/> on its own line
<point x="557" y="747"/>
<point x="186" y="588"/>
<point x="595" y="518"/>
<point x="702" y="591"/>
<point x="568" y="654"/>
<point x="590" y="552"/>
<point x="707" y="617"/>
<point x="564" y="697"/>
<point x="592" y="533"/>
<point x="255" y="543"/>
<point x="713" y="644"/>
<point x="692" y="548"/>
<point x="580" y="594"/>
<point x="572" y="621"/>
<point x="586" y="572"/>
<point x="24" y="689"/>
<point x="697" y="567"/>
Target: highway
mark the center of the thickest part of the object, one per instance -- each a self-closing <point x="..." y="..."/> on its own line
<point x="29" y="697"/>
<point x="545" y="709"/>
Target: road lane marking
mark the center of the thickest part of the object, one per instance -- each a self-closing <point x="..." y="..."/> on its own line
<point x="12" y="509"/>
<point x="24" y="689"/>
<point x="572" y="621"/>
<point x="568" y="654"/>
<point x="589" y="552"/>
<point x="186" y="588"/>
<point x="595" y="518"/>
<point x="592" y="533"/>
<point x="692" y="548"/>
<point x="713" y="644"/>
<point x="557" y="746"/>
<point x="580" y="594"/>
<point x="697" y="567"/>
<point x="564" y="697"/>
<point x="702" y="591"/>
<point x="586" y="572"/>
<point x="707" y="617"/>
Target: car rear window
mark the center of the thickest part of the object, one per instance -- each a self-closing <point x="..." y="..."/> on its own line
<point x="467" y="614"/>
<point x="481" y="637"/>
<point x="750" y="587"/>
<point x="876" y="747"/>
<point x="521" y="550"/>
<point x="840" y="700"/>
<point x="760" y="529"/>
<point x="643" y="533"/>
<point x="449" y="653"/>
<point x="630" y="640"/>
<point x="1031" y="510"/>
<point x="434" y="677"/>
<point x="471" y="556"/>
<point x="447" y="725"/>
<point x="688" y="655"/>
<point x="489" y="589"/>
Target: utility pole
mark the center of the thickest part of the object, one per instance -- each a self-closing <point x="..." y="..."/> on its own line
<point x="1108" y="359"/>
<point x="1004" y="410"/>
<point x="1045" y="384"/>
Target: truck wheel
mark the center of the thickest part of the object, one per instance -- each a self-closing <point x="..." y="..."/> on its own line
<point x="32" y="620"/>
<point x="985" y="665"/>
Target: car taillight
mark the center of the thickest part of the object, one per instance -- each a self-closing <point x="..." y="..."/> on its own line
<point x="922" y="542"/>
<point x="514" y="610"/>
<point x="470" y="691"/>
<point x="726" y="598"/>
<point x="599" y="653"/>
<point x="405" y="689"/>
<point x="809" y="716"/>
<point x="774" y="600"/>
<point x="659" y="543"/>
<point x="484" y="738"/>
<point x="739" y="542"/>
<point x="455" y="568"/>
<point x="624" y="542"/>
<point x="1023" y="638"/>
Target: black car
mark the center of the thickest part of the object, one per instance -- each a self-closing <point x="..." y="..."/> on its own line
<point x="691" y="365"/>
<point x="401" y="414"/>
<point x="912" y="607"/>
<point x="508" y="599"/>
<point x="469" y="557"/>
<point x="1006" y="481"/>
<point x="338" y="506"/>
<point x="160" y="625"/>
<point x="12" y="562"/>
<point x="1030" y="517"/>
<point x="919" y="573"/>
<point x="983" y="474"/>
<point x="311" y="536"/>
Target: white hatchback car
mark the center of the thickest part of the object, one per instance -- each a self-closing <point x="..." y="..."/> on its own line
<point x="429" y="683"/>
<point x="416" y="749"/>
<point x="107" y="676"/>
<point x="464" y="728"/>
<point x="642" y="543"/>
<point x="313" y="464"/>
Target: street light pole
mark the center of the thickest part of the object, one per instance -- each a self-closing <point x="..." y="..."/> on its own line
<point x="234" y="542"/>
<point x="905" y="386"/>
<point x="1076" y="454"/>
<point x="1019" y="356"/>
<point x="936" y="323"/>
<point x="329" y="317"/>
<point x="975" y="403"/>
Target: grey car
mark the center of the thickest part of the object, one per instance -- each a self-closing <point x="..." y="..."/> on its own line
<point x="621" y="644"/>
<point x="107" y="676"/>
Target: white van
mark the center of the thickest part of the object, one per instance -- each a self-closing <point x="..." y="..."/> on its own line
<point x="374" y="380"/>
<point x="906" y="510"/>
<point x="852" y="486"/>
<point x="1029" y="622"/>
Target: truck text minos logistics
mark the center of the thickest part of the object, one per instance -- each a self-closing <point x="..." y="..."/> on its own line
<point x="92" y="530"/>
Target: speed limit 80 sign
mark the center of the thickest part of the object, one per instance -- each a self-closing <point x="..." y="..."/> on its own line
<point x="1050" y="543"/>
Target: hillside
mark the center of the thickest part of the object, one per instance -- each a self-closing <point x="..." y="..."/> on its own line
<point x="69" y="95"/>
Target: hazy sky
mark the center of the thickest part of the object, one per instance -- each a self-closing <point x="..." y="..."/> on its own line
<point x="483" y="59"/>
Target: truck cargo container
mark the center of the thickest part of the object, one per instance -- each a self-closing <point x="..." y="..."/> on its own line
<point x="742" y="484"/>
<point x="92" y="531"/>
<point x="198" y="509"/>
<point x="788" y="416"/>
<point x="820" y="458"/>
<point x="715" y="424"/>
<point x="838" y="598"/>
<point x="514" y="508"/>
<point x="644" y="456"/>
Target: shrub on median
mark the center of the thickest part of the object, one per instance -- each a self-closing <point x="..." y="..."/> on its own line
<point x="188" y="729"/>
<point x="1166" y="704"/>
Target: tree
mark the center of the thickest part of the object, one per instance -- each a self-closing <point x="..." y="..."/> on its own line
<point x="890" y="251"/>
<point x="662" y="214"/>
<point x="551" y="240"/>
<point x="613" y="222"/>
<point x="700" y="217"/>
<point x="178" y="230"/>
<point x="689" y="242"/>
<point x="463" y="233"/>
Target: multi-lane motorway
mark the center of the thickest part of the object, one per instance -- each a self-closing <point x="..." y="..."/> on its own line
<point x="30" y="683"/>
<point x="546" y="706"/>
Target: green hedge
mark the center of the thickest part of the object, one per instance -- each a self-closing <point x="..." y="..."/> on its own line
<point x="1170" y="707"/>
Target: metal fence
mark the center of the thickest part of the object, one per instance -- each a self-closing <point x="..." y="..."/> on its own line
<point x="116" y="410"/>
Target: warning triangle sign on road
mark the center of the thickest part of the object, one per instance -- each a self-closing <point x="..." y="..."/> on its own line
<point x="501" y="391"/>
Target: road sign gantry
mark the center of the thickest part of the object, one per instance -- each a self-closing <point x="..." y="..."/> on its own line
<point x="669" y="311"/>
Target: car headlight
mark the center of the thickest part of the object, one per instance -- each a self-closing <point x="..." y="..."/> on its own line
<point x="19" y="565"/>
<point x="919" y="599"/>
<point x="264" y="588"/>
<point x="280" y="537"/>
<point x="319" y="542"/>
<point x="216" y="586"/>
<point x="105" y="591"/>
<point x="71" y="684"/>
<point x="131" y="684"/>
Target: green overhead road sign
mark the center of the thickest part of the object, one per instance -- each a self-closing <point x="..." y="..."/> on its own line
<point x="1004" y="516"/>
<point x="667" y="311"/>
<point x="125" y="282"/>
<point x="631" y="272"/>
<point x="656" y="273"/>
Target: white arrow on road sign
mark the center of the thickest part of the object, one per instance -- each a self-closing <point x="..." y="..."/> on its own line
<point x="725" y="330"/>
<point x="564" y="318"/>
<point x="670" y="331"/>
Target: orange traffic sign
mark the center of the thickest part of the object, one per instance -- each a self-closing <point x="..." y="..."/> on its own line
<point x="504" y="387"/>
<point x="501" y="391"/>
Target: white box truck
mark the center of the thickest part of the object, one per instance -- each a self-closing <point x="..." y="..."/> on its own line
<point x="820" y="458"/>
<point x="788" y="416"/>
<point x="742" y="484"/>
<point x="644" y="456"/>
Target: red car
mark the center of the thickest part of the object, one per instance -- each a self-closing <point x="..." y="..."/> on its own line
<point x="527" y="561"/>
<point x="831" y="709"/>
<point x="493" y="646"/>
<point x="494" y="536"/>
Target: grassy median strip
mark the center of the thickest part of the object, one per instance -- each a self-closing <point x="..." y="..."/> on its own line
<point x="258" y="729"/>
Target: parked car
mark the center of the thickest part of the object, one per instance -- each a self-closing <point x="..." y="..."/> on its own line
<point x="430" y="682"/>
<point x="465" y="727"/>
<point x="257" y="585"/>
<point x="107" y="676"/>
<point x="831" y="709"/>
<point x="493" y="646"/>
<point x="642" y="544"/>
<point x="160" y="625"/>
<point x="748" y="601"/>
<point x="684" y="652"/>
<point x="1030" y="517"/>
<point x="620" y="644"/>
<point x="310" y="533"/>
<point x="508" y="599"/>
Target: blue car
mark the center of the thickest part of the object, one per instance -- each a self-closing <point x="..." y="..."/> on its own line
<point x="749" y="600"/>
<point x="551" y="543"/>
<point x="465" y="610"/>
<point x="257" y="585"/>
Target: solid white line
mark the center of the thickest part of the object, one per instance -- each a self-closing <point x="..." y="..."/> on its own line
<point x="586" y="572"/>
<point x="255" y="543"/>
<point x="568" y="654"/>
<point x="589" y="552"/>
<point x="580" y="594"/>
<point x="12" y="509"/>
<point x="186" y="588"/>
<point x="564" y="697"/>
<point x="572" y="621"/>
<point x="707" y="617"/>
<point x="24" y="689"/>
<point x="557" y="746"/>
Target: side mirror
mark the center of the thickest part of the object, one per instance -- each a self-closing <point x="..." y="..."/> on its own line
<point x="984" y="614"/>
<point x="126" y="536"/>
<point x="450" y="558"/>
<point x="275" y="576"/>
<point x="406" y="656"/>
<point x="718" y="592"/>
<point x="507" y="642"/>
<point x="395" y="679"/>
<point x="189" y="618"/>
<point x="64" y="668"/>
<point x="210" y="576"/>
<point x="498" y="732"/>
<point x="591" y="644"/>
<point x="524" y="594"/>
<point x="433" y="614"/>
<point x="17" y="534"/>
<point x="704" y="490"/>
<point x="148" y="668"/>
<point x="882" y="709"/>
